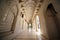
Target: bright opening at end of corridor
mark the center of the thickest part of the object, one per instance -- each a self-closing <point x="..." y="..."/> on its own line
<point x="36" y="28"/>
<point x="31" y="32"/>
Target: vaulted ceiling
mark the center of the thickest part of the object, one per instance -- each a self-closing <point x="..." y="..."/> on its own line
<point x="28" y="7"/>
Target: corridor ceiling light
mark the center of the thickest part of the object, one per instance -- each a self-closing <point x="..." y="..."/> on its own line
<point x="29" y="24"/>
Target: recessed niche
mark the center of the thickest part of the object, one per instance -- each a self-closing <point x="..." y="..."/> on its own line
<point x="41" y="1"/>
<point x="20" y="1"/>
<point x="21" y="12"/>
<point x="22" y="15"/>
<point x="37" y="9"/>
<point x="23" y="9"/>
<point x="39" y="6"/>
<point x="22" y="6"/>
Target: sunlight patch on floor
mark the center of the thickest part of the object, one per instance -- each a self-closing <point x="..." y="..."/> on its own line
<point x="38" y="32"/>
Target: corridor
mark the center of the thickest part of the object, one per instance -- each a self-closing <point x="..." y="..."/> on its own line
<point x="29" y="35"/>
<point x="29" y="19"/>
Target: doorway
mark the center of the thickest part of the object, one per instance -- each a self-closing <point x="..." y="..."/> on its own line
<point x="51" y="22"/>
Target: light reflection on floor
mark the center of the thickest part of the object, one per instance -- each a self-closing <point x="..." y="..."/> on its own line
<point x="29" y="34"/>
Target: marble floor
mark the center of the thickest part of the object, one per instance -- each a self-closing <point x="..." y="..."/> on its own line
<point x="28" y="35"/>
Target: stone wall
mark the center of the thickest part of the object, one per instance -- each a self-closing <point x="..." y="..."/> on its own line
<point x="7" y="12"/>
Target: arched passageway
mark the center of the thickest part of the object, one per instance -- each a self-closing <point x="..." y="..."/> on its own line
<point x="29" y="20"/>
<point x="33" y="31"/>
<point x="51" y="22"/>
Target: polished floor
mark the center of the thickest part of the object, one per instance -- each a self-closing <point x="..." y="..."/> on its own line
<point x="28" y="35"/>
